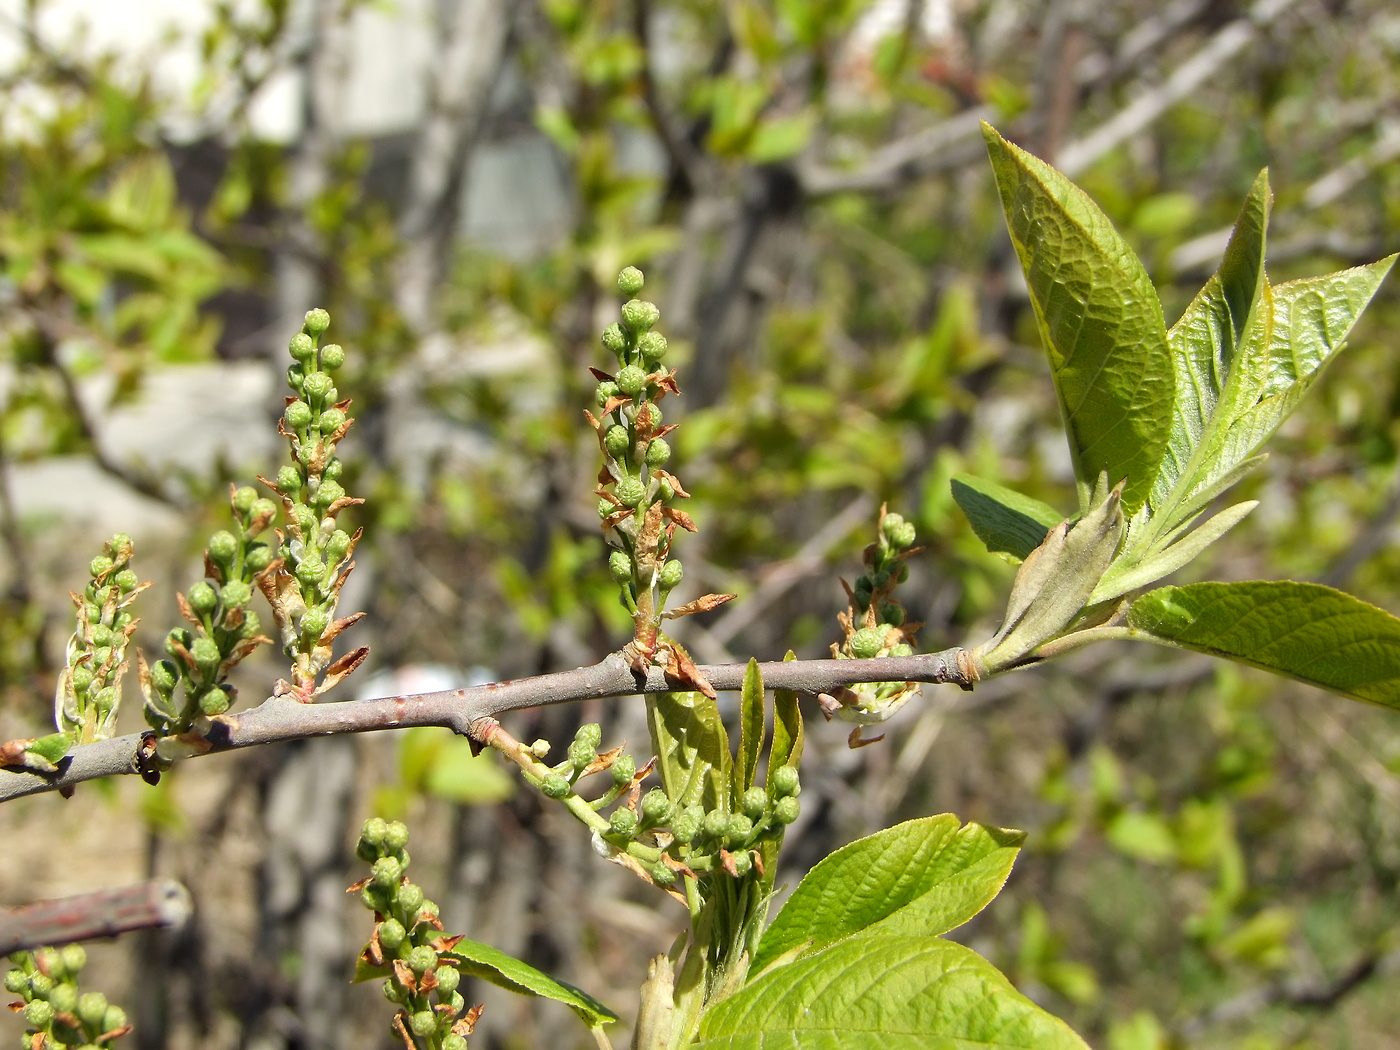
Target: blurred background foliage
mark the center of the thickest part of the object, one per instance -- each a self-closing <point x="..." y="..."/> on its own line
<point x="1214" y="854"/>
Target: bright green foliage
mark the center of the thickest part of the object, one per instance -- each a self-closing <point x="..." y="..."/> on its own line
<point x="1005" y="520"/>
<point x="1100" y="321"/>
<point x="46" y="982"/>
<point x="1303" y="630"/>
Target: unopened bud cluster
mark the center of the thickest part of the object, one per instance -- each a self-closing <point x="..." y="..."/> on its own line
<point x="875" y="624"/>
<point x="304" y="588"/>
<point x="89" y="687"/>
<point x="634" y="488"/>
<point x="192" y="680"/>
<point x="408" y="940"/>
<point x="56" y="1012"/>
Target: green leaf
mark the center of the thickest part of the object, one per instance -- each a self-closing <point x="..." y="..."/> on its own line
<point x="1131" y="576"/>
<point x="1099" y="318"/>
<point x="505" y="971"/>
<point x="1302" y="630"/>
<point x="751" y="729"/>
<point x="692" y="749"/>
<point x="779" y="138"/>
<point x="1145" y="836"/>
<point x="786" y="749"/>
<point x="884" y="993"/>
<point x="923" y="877"/>
<point x="1005" y="520"/>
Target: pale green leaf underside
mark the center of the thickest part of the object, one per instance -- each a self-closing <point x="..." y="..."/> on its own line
<point x="505" y="971"/>
<point x="884" y="992"/>
<point x="692" y="749"/>
<point x="1302" y="630"/>
<point x="1099" y="318"/>
<point x="924" y="877"/>
<point x="1005" y="520"/>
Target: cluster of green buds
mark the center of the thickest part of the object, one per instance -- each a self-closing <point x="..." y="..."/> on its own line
<point x="653" y="835"/>
<point x="55" y="1011"/>
<point x="192" y="681"/>
<point x="303" y="587"/>
<point x="875" y="624"/>
<point x="408" y="944"/>
<point x="635" y="490"/>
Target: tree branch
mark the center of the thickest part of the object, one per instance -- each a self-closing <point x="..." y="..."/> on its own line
<point x="280" y="718"/>
<point x="88" y="916"/>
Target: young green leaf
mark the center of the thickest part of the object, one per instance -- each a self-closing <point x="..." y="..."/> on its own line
<point x="751" y="730"/>
<point x="1302" y="630"/>
<point x="786" y="748"/>
<point x="692" y="749"/>
<point x="922" y="877"/>
<point x="1128" y="575"/>
<point x="884" y="992"/>
<point x="491" y="964"/>
<point x="1099" y="318"/>
<point x="1005" y="520"/>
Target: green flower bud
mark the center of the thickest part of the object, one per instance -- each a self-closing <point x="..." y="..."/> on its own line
<point x="127" y="581"/>
<point x="337" y="545"/>
<point x="333" y="469"/>
<point x="623" y="769"/>
<point x="658" y="452"/>
<point x="685" y="827"/>
<point x="288" y="479"/>
<point x="328" y="493"/>
<point x="639" y="315"/>
<point x="396" y="836"/>
<point x="785" y="810"/>
<point x="314" y="623"/>
<point x="74" y="958"/>
<point x="580" y="754"/>
<point x="38" y="1013"/>
<point x="606" y="507"/>
<point x="737" y="828"/>
<point x="630" y="281"/>
<point x="223" y="547"/>
<point x="631" y="381"/>
<point x="410" y="899"/>
<point x="620" y="567"/>
<point x="114" y="1018"/>
<point x="892" y="613"/>
<point x="901" y="572"/>
<point x="236" y="594"/>
<point x="614" y="338"/>
<point x="591" y="733"/>
<point x="16" y="982"/>
<point x="164" y="675"/>
<point x="298" y="414"/>
<point x="317" y="321"/>
<point x="607" y="390"/>
<point x="318" y="386"/>
<point x="81" y="678"/>
<point x="304" y="517"/>
<point x="556" y="785"/>
<point x="866" y="643"/>
<point x="630" y="491"/>
<point x="206" y="653"/>
<point x="448" y="978"/>
<point x="202" y="598"/>
<point x="902" y="649"/>
<point x="881" y="579"/>
<point x="372" y="835"/>
<point x="617" y="441"/>
<point x="332" y="355"/>
<point x="105" y="700"/>
<point x="784" y="781"/>
<point x="662" y="875"/>
<point x="41" y="984"/>
<point x="899" y="532"/>
<point x="754" y="802"/>
<point x="63" y="998"/>
<point x="652" y="346"/>
<point x="393" y="992"/>
<point x="102" y="656"/>
<point x="302" y="347"/>
<point x="330" y="420"/>
<point x="244" y="498"/>
<point x="653" y="415"/>
<point x="671" y="574"/>
<point x="387" y="872"/>
<point x="424" y="1023"/>
<point x="391" y="931"/>
<point x="422" y="959"/>
<point x="743" y="863"/>
<point x="99" y="565"/>
<point x="622" y="821"/>
<point x="295" y="374"/>
<point x="259" y="557"/>
<point x="452" y="1041"/>
<point x="311" y="569"/>
<point x="715" y="823"/>
<point x="657" y="807"/>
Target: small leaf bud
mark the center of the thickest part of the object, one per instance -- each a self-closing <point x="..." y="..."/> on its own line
<point x="387" y="872"/>
<point x="623" y="769"/>
<point x="671" y="574"/>
<point x="99" y="565"/>
<point x="591" y="733"/>
<point x="330" y="420"/>
<point x="395" y="836"/>
<point x="258" y="558"/>
<point x="617" y="440"/>
<point x="288" y="479"/>
<point x="785" y="781"/>
<point x="661" y="874"/>
<point x="785" y="810"/>
<point x="892" y="613"/>
<point x="754" y="802"/>
<point x="39" y="1013"/>
<point x="652" y="346"/>
<point x="639" y="315"/>
<point x="391" y="931"/>
<point x="206" y="653"/>
<point x="298" y="413"/>
<point x="332" y="355"/>
<point x="631" y="381"/>
<point x="622" y="821"/>
<point x="743" y="863"/>
<point x="202" y="598"/>
<point x="630" y="281"/>
<point x="448" y="978"/>
<point x="658" y="452"/>
<point x="302" y="347"/>
<point x="657" y="807"/>
<point x="424" y="1023"/>
<point x="556" y="785"/>
<point x="630" y="491"/>
<point x="614" y="339"/>
<point x="620" y="566"/>
<point x="866" y="643"/>
<point x="715" y="823"/>
<point x="607" y="390"/>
